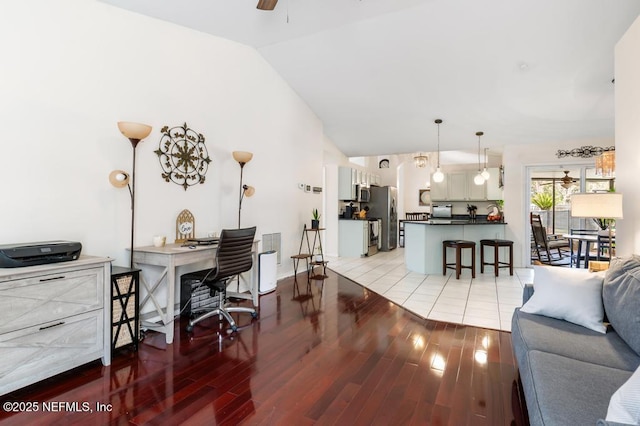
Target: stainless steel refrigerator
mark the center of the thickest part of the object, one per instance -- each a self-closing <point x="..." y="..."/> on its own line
<point x="383" y="205"/>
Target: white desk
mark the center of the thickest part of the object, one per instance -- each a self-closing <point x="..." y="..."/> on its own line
<point x="169" y="258"/>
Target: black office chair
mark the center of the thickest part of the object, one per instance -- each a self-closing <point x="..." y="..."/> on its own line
<point x="233" y="257"/>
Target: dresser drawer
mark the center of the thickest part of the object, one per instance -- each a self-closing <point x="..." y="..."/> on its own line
<point x="34" y="353"/>
<point x="41" y="299"/>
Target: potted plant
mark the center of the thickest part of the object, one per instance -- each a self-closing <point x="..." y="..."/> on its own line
<point x="315" y="222"/>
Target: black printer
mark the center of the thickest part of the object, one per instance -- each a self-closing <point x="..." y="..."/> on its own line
<point x="27" y="254"/>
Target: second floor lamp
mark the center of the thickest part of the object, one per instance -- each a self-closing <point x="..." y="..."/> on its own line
<point x="243" y="157"/>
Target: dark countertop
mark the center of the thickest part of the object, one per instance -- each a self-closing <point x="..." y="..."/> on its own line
<point x="455" y="222"/>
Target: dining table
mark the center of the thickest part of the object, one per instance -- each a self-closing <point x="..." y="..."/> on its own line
<point x="589" y="241"/>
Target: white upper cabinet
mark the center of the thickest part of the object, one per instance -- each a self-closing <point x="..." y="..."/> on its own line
<point x="346" y="183"/>
<point x="475" y="192"/>
<point x="439" y="190"/>
<point x="458" y="186"/>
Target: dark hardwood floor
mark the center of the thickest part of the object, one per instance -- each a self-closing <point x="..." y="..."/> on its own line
<point x="334" y="354"/>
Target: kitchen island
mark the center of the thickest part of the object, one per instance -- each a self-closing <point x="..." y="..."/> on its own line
<point x="423" y="241"/>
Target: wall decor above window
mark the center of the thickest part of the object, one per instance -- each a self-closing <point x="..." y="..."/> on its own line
<point x="586" y="151"/>
<point x="183" y="156"/>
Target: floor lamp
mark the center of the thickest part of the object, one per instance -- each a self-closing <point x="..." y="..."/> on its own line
<point x="135" y="132"/>
<point x="243" y="157"/>
<point x="606" y="205"/>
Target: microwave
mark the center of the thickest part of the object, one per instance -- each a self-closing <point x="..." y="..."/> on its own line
<point x="363" y="194"/>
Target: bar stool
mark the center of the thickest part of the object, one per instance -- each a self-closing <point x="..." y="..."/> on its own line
<point x="457" y="265"/>
<point x="496" y="244"/>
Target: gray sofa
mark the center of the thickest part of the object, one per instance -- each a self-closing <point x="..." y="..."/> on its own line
<point x="569" y="372"/>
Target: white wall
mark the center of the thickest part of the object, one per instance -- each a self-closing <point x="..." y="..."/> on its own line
<point x="72" y="68"/>
<point x="627" y="86"/>
<point x="415" y="179"/>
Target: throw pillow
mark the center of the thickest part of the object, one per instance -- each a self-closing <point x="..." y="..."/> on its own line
<point x="624" y="406"/>
<point x="621" y="297"/>
<point x="573" y="295"/>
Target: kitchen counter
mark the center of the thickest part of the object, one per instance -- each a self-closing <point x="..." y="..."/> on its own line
<point x="423" y="241"/>
<point x="455" y="222"/>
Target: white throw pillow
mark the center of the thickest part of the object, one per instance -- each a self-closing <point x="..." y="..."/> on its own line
<point x="573" y="295"/>
<point x="624" y="406"/>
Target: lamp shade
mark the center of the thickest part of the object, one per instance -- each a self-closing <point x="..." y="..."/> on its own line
<point x="119" y="178"/>
<point x="136" y="131"/>
<point x="242" y="157"/>
<point x="606" y="205"/>
<point x="249" y="190"/>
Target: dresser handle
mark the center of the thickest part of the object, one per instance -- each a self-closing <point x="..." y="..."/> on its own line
<point x="51" y="279"/>
<point x="52" y="325"/>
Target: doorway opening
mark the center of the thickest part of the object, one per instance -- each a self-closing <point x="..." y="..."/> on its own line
<point x="549" y="194"/>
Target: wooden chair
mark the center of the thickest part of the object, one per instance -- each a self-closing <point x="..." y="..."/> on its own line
<point x="606" y="247"/>
<point x="551" y="251"/>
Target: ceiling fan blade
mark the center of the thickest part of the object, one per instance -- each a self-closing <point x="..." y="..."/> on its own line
<point x="267" y="4"/>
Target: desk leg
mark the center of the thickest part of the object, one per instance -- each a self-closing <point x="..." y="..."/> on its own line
<point x="171" y="297"/>
<point x="166" y="313"/>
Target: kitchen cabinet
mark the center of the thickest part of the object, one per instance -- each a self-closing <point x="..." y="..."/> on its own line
<point x="346" y="184"/>
<point x="494" y="192"/>
<point x="439" y="190"/>
<point x="458" y="186"/>
<point x="475" y="192"/>
<point x="353" y="238"/>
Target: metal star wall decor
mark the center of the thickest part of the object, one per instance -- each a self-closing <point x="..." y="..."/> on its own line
<point x="584" y="151"/>
<point x="183" y="156"/>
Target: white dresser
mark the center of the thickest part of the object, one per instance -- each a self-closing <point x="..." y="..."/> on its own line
<point x="53" y="318"/>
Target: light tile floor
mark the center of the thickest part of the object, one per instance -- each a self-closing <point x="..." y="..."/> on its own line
<point x="486" y="301"/>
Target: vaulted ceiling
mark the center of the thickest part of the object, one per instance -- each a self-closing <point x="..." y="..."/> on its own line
<point x="378" y="72"/>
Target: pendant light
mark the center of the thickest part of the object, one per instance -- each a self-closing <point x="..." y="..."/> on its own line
<point x="438" y="176"/>
<point x="421" y="160"/>
<point x="478" y="179"/>
<point x="485" y="172"/>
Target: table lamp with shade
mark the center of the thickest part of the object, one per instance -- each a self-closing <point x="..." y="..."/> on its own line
<point x="606" y="205"/>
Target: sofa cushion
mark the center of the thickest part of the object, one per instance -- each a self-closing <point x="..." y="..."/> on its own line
<point x="574" y="295"/>
<point x="536" y="332"/>
<point x="565" y="391"/>
<point x="621" y="298"/>
<point x="624" y="406"/>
